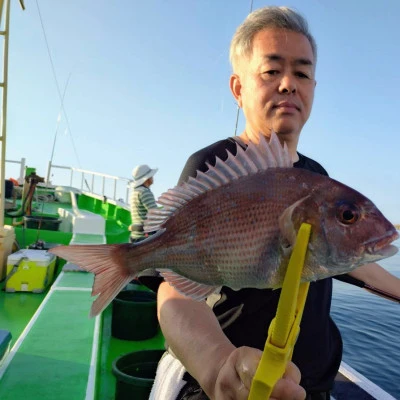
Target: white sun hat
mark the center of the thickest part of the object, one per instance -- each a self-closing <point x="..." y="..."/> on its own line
<point x="141" y="173"/>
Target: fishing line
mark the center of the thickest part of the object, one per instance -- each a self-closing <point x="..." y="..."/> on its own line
<point x="57" y="85"/>
<point x="238" y="108"/>
<point x="57" y="126"/>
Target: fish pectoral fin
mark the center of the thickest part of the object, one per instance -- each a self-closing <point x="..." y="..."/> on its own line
<point x="187" y="287"/>
<point x="287" y="228"/>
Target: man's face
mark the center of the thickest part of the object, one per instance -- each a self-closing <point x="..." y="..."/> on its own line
<point x="275" y="85"/>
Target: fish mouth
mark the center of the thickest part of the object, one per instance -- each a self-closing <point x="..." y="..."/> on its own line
<point x="382" y="246"/>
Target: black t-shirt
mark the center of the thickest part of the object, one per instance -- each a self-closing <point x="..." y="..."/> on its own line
<point x="245" y="314"/>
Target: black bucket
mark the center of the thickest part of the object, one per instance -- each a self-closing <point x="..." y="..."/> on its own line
<point x="135" y="373"/>
<point x="134" y="315"/>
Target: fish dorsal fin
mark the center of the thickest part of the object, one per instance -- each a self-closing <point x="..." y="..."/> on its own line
<point x="187" y="287"/>
<point x="255" y="158"/>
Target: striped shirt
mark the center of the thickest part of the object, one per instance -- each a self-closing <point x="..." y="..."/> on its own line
<point x="142" y="200"/>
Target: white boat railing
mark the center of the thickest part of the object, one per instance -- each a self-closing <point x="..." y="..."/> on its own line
<point x="112" y="187"/>
<point x="89" y="181"/>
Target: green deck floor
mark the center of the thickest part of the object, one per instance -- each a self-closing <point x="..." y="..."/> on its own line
<point x="17" y="309"/>
<point x="54" y="359"/>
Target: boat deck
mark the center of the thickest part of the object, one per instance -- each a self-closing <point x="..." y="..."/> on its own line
<point x="57" y="351"/>
<point x="58" y="348"/>
<point x="62" y="353"/>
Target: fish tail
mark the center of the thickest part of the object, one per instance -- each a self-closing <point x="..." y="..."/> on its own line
<point x="107" y="263"/>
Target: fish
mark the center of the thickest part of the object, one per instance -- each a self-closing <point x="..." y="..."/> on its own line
<point x="236" y="224"/>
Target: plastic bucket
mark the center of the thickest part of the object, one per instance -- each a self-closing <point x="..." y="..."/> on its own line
<point x="135" y="373"/>
<point x="134" y="315"/>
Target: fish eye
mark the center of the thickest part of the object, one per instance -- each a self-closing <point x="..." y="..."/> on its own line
<point x="347" y="214"/>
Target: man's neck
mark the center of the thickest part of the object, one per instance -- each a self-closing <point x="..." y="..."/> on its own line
<point x="290" y="141"/>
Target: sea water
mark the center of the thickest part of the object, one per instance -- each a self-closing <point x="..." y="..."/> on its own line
<point x="370" y="327"/>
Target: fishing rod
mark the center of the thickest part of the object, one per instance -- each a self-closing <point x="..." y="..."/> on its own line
<point x="361" y="284"/>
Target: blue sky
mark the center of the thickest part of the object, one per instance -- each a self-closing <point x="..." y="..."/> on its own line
<point x="148" y="83"/>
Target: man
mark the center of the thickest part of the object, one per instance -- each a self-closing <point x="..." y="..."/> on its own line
<point x="142" y="200"/>
<point x="219" y="344"/>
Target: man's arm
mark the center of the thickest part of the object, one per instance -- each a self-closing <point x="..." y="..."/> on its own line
<point x="222" y="370"/>
<point x="376" y="277"/>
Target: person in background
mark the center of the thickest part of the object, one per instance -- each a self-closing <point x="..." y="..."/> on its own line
<point x="214" y="347"/>
<point x="142" y="200"/>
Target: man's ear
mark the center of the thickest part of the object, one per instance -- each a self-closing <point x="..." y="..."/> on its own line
<point x="236" y="88"/>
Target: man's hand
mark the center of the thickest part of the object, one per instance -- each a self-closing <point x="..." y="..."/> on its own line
<point x="235" y="377"/>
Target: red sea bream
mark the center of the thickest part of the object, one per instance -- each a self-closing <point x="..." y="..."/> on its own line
<point x="235" y="225"/>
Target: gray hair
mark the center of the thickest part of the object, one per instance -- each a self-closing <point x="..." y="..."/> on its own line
<point x="264" y="18"/>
